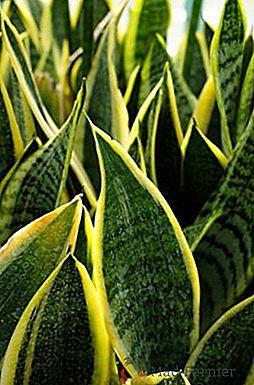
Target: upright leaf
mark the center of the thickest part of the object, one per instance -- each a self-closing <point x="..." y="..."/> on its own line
<point x="61" y="26"/>
<point x="137" y="235"/>
<point x="23" y="71"/>
<point x="27" y="260"/>
<point x="199" y="64"/>
<point x="37" y="184"/>
<point x="227" y="57"/>
<point x="11" y="144"/>
<point x="151" y="73"/>
<point x="162" y="150"/>
<point x="22" y="112"/>
<point x="203" y="167"/>
<point x="147" y="18"/>
<point x="104" y="102"/>
<point x="224" y="254"/>
<point x="225" y="354"/>
<point x="191" y="37"/>
<point x="61" y="336"/>
<point x="246" y="103"/>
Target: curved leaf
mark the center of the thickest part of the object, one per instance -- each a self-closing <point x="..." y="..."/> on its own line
<point x="152" y="72"/>
<point x="37" y="184"/>
<point x="227" y="57"/>
<point x="203" y="168"/>
<point x="23" y="71"/>
<point x="191" y="47"/>
<point x="146" y="265"/>
<point x="246" y="103"/>
<point x="29" y="257"/>
<point x="224" y="254"/>
<point x="11" y="145"/>
<point x="147" y="18"/>
<point x="61" y="26"/>
<point x="225" y="354"/>
<point x="61" y="336"/>
<point x="104" y="103"/>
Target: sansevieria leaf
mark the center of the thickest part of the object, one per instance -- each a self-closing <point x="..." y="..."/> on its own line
<point x="104" y="102"/>
<point x="200" y="155"/>
<point x="61" y="336"/>
<point x="11" y="144"/>
<point x="21" y="65"/>
<point x="36" y="185"/>
<point x="61" y="26"/>
<point x="163" y="152"/>
<point x="22" y="112"/>
<point x="152" y="72"/>
<point x="190" y="55"/>
<point x="225" y="354"/>
<point x="147" y="17"/>
<point x="227" y="57"/>
<point x="224" y="254"/>
<point x="246" y="103"/>
<point x="136" y="235"/>
<point x="22" y="68"/>
<point x="28" y="259"/>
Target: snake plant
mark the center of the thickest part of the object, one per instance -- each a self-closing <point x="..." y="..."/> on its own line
<point x="126" y="195"/>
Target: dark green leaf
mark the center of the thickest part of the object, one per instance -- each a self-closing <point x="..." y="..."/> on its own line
<point x="28" y="258"/>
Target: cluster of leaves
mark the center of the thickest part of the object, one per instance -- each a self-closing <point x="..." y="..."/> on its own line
<point x="127" y="198"/>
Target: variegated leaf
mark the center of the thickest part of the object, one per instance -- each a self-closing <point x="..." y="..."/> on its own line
<point x="137" y="235"/>
<point x="27" y="260"/>
<point x="61" y="336"/>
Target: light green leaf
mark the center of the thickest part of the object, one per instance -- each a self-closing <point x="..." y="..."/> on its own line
<point x="227" y="57"/>
<point x="36" y="8"/>
<point x="36" y="185"/>
<point x="146" y="265"/>
<point x="147" y="18"/>
<point x="216" y="358"/>
<point x="61" y="336"/>
<point x="29" y="257"/>
<point x="224" y="254"/>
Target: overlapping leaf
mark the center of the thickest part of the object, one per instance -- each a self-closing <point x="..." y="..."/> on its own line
<point x="61" y="336"/>
<point x="27" y="260"/>
<point x="36" y="185"/>
<point x="246" y="103"/>
<point x="61" y="24"/>
<point x="104" y="102"/>
<point x="225" y="354"/>
<point x="147" y="18"/>
<point x="152" y="72"/>
<point x="227" y="58"/>
<point x="225" y="253"/>
<point x="23" y="71"/>
<point x="11" y="145"/>
<point x="198" y="184"/>
<point x="190" y="50"/>
<point x="22" y="112"/>
<point x="146" y="264"/>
